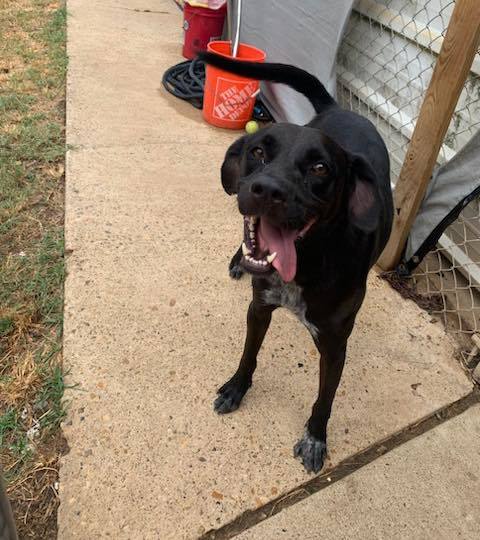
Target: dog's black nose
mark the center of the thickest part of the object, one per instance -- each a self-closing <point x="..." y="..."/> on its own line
<point x="269" y="190"/>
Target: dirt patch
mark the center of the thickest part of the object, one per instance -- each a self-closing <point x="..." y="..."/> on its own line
<point x="34" y="495"/>
<point x="405" y="287"/>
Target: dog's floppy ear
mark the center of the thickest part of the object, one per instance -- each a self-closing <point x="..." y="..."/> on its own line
<point x="363" y="203"/>
<point x="231" y="166"/>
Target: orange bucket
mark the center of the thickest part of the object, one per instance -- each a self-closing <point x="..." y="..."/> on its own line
<point x="228" y="99"/>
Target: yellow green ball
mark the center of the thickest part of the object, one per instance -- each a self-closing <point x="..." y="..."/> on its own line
<point x="252" y="127"/>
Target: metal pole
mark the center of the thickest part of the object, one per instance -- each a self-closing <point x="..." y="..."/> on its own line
<point x="234" y="16"/>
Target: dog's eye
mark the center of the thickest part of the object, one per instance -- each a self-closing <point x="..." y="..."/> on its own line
<point x="319" y="169"/>
<point x="258" y="153"/>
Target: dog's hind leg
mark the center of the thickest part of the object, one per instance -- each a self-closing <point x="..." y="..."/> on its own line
<point x="232" y="392"/>
<point x="312" y="447"/>
<point x="234" y="268"/>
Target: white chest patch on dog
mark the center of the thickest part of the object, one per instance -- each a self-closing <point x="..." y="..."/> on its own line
<point x="290" y="296"/>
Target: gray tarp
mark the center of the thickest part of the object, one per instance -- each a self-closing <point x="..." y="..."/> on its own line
<point x="306" y="34"/>
<point x="449" y="186"/>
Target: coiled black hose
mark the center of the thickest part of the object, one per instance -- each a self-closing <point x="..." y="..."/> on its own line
<point x="187" y="81"/>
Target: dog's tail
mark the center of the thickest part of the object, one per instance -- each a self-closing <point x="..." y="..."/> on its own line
<point x="296" y="78"/>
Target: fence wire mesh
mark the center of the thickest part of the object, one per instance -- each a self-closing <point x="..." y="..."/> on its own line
<point x="384" y="66"/>
<point x="450" y="274"/>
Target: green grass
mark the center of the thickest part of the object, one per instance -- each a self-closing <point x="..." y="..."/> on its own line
<point x="14" y="102"/>
<point x="55" y="36"/>
<point x="6" y="326"/>
<point x="47" y="279"/>
<point x="33" y="66"/>
<point x="14" y="438"/>
<point x="49" y="400"/>
<point x="8" y="424"/>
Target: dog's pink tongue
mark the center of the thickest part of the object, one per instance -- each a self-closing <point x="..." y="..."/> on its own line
<point x="281" y="241"/>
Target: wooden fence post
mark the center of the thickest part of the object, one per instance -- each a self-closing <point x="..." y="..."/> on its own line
<point x="451" y="70"/>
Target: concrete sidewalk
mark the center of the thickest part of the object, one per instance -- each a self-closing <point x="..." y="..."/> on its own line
<point x="153" y="324"/>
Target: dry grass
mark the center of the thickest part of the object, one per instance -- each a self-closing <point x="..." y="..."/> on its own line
<point x="32" y="149"/>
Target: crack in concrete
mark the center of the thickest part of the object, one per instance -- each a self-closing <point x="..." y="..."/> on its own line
<point x="137" y="10"/>
<point x="74" y="147"/>
<point x="250" y="518"/>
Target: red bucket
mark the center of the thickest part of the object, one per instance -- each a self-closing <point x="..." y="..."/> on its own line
<point x="201" y="25"/>
<point x="229" y="99"/>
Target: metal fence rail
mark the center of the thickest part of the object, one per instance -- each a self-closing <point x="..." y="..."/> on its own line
<point x="384" y="66"/>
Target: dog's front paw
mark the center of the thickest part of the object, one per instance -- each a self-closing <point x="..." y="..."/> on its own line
<point x="311" y="451"/>
<point x="230" y="396"/>
<point x="234" y="268"/>
<point x="235" y="271"/>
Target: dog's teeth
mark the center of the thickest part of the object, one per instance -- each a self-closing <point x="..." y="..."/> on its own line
<point x="252" y="235"/>
<point x="245" y="250"/>
<point x="271" y="258"/>
<point x="264" y="263"/>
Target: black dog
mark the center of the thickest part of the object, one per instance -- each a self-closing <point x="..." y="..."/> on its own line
<point x="317" y="207"/>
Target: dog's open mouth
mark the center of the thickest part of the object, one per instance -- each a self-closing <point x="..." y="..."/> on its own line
<point x="266" y="245"/>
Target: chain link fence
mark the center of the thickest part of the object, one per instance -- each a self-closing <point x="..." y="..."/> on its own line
<point x="451" y="273"/>
<point x="384" y="67"/>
